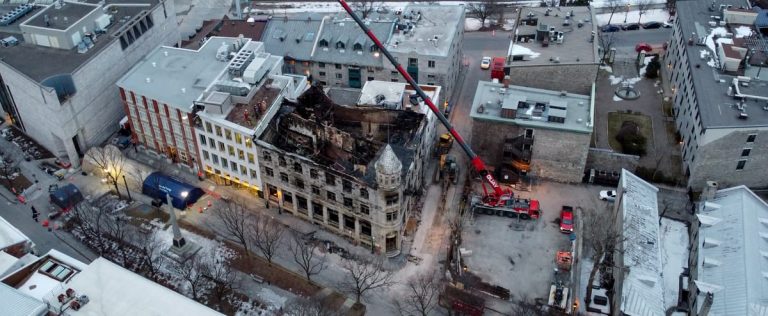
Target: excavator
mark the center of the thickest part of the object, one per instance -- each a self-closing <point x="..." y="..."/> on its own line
<point x="497" y="196"/>
<point x="444" y="144"/>
<point x="447" y="170"/>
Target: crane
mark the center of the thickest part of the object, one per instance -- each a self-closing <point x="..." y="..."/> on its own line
<point x="499" y="196"/>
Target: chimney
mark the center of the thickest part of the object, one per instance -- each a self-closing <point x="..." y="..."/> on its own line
<point x="506" y="81"/>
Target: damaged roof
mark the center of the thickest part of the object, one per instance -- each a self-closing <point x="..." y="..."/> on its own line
<point x="348" y="140"/>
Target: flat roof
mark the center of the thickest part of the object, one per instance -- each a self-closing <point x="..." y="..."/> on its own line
<point x="15" y="303"/>
<point x="177" y="76"/>
<point x="439" y="21"/>
<point x="245" y="115"/>
<point x="61" y="18"/>
<point x="343" y="96"/>
<point x="394" y="95"/>
<point x="494" y="97"/>
<point x="576" y="47"/>
<point x="10" y="235"/>
<point x="35" y="61"/>
<point x="718" y="109"/>
<point x="227" y="27"/>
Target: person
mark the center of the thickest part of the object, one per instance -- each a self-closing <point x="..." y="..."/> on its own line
<point x="35" y="214"/>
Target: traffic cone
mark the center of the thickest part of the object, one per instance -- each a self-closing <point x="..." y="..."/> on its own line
<point x="209" y="203"/>
<point x="45" y="223"/>
<point x="200" y="210"/>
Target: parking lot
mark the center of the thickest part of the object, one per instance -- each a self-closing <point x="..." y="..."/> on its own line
<point x="523" y="260"/>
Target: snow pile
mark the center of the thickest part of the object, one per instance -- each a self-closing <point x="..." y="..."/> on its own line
<point x="617" y="98"/>
<point x="509" y="24"/>
<point x="271" y="298"/>
<point x="653" y="15"/>
<point x="674" y="256"/>
<point x="645" y="64"/>
<point x="525" y="51"/>
<point x="615" y="80"/>
<point x="710" y="42"/>
<point x="632" y="81"/>
<point x="607" y="68"/>
<point x="743" y="31"/>
<point x="473" y="24"/>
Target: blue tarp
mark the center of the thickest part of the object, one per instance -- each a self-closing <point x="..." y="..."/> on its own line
<point x="66" y="197"/>
<point x="157" y="184"/>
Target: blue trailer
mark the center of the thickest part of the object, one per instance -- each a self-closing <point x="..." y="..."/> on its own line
<point x="157" y="184"/>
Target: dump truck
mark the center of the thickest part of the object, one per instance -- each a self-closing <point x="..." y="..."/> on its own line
<point x="443" y="144"/>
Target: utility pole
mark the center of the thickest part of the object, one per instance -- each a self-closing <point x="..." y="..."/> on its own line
<point x="126" y="189"/>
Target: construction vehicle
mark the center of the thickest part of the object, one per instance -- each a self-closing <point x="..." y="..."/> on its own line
<point x="514" y="208"/>
<point x="564" y="260"/>
<point x="558" y="295"/>
<point x="499" y="196"/>
<point x="444" y="144"/>
<point x="448" y="170"/>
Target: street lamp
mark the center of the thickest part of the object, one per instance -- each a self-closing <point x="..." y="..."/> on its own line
<point x="127" y="189"/>
<point x="373" y="245"/>
<point x="626" y="14"/>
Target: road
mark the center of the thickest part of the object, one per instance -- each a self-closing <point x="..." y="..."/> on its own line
<point x="625" y="41"/>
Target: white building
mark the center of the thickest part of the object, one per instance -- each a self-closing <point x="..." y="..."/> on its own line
<point x="639" y="286"/>
<point x="57" y="83"/>
<point x="728" y="253"/>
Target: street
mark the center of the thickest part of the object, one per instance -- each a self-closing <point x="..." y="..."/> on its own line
<point x="625" y="41"/>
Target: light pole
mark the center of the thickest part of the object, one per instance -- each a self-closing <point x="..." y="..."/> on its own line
<point x="626" y="14"/>
<point x="127" y="189"/>
<point x="373" y="244"/>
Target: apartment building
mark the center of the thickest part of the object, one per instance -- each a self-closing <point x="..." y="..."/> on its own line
<point x="554" y="49"/>
<point x="719" y="100"/>
<point x="62" y="61"/>
<point x="352" y="170"/>
<point x="524" y="131"/>
<point x="333" y="51"/>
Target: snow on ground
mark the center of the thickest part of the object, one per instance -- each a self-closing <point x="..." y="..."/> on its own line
<point x="645" y="64"/>
<point x="509" y="24"/>
<point x="615" y="80"/>
<point x="743" y="31"/>
<point x="653" y="15"/>
<point x="270" y="297"/>
<point x="674" y="241"/>
<point x="620" y="79"/>
<point x="473" y="24"/>
<point x="521" y="50"/>
<point x="607" y="68"/>
<point x="720" y="32"/>
<point x="605" y="3"/>
<point x="616" y="98"/>
<point x="632" y="81"/>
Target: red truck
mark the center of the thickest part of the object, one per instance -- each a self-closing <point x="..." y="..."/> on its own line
<point x="566" y="219"/>
<point x="497" y="68"/>
<point x="514" y="208"/>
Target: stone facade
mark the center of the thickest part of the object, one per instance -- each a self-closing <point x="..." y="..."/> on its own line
<point x="576" y="78"/>
<point x="556" y="155"/>
<point x="609" y="161"/>
<point x="721" y="160"/>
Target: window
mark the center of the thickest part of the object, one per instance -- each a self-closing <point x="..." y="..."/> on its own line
<point x="391" y="216"/>
<point x="431" y="76"/>
<point x="287" y="198"/>
<point x="238" y="138"/>
<point x="339" y="76"/>
<point x="254" y="174"/>
<point x="321" y="65"/>
<point x="394" y="80"/>
<point x="313" y="173"/>
<point x="322" y="74"/>
<point x="299" y="183"/>
<point x="745" y="152"/>
<point x="357" y="47"/>
<point x="431" y="64"/>
<point x="330" y="179"/>
<point x="283" y="177"/>
<point x="364" y="193"/>
<point x="365" y="209"/>
<point x="202" y="139"/>
<point x="346" y="185"/>
<point x="340" y="45"/>
<point x="218" y="131"/>
<point x="266" y="157"/>
<point x="370" y="69"/>
<point x="231" y="150"/>
<point x="233" y="166"/>
<point x="413" y="62"/>
<point x="241" y="154"/>
<point x="333" y="217"/>
<point x="212" y="142"/>
<point x="347" y="202"/>
<point x="323" y="43"/>
<point x="751" y="138"/>
<point x="250" y="157"/>
<point x="394" y="73"/>
<point x="205" y="155"/>
<point x="392" y="199"/>
<point x="224" y="162"/>
<point x="297" y="167"/>
<point x="323" y="83"/>
<point x="371" y="79"/>
<point x="215" y="158"/>
<point x="349" y="222"/>
<point x="248" y="143"/>
<point x="208" y="127"/>
<point x="740" y="165"/>
<point x="374" y="48"/>
<point x="281" y="162"/>
<point x="338" y="66"/>
<point x="317" y="211"/>
<point x="269" y="172"/>
<point x="221" y="147"/>
<point x="227" y="134"/>
<point x="331" y="196"/>
<point x="315" y="190"/>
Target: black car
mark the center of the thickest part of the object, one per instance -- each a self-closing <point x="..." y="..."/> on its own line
<point x="631" y="27"/>
<point x="653" y="25"/>
<point x="610" y="28"/>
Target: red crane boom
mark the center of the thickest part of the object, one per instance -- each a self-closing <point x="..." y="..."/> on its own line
<point x="477" y="163"/>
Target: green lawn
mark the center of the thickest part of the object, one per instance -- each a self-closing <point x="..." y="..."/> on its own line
<point x="614" y="124"/>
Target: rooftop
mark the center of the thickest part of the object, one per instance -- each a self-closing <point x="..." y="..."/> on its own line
<point x="248" y="115"/>
<point x="396" y="96"/>
<point x="347" y="140"/>
<point x="61" y="18"/>
<point x="15" y="303"/>
<point x="34" y="61"/>
<point x="251" y="28"/>
<point x="281" y="34"/>
<point x="732" y="261"/>
<point x="10" y="235"/>
<point x="343" y="96"/>
<point x="178" y="76"/>
<point x="45" y="274"/>
<point x="531" y="107"/>
<point x="114" y="290"/>
<point x="432" y="33"/>
<point x="567" y="32"/>
<point x="342" y="41"/>
<point x="711" y="86"/>
<point x="643" y="288"/>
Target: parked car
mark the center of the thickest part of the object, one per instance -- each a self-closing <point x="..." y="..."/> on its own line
<point x="631" y="27"/>
<point x="566" y="219"/>
<point x="610" y="28"/>
<point x="652" y="25"/>
<point x="608" y="195"/>
<point x="485" y="63"/>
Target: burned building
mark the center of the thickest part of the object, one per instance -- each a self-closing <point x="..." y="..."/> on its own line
<point x="352" y="170"/>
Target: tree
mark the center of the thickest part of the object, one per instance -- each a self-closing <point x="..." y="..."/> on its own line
<point x="601" y="236"/>
<point x="193" y="273"/>
<point x="365" y="275"/>
<point x="151" y="248"/>
<point x="525" y="307"/>
<point x="222" y="276"/>
<point x="109" y="160"/>
<point x="233" y="221"/>
<point x="268" y="235"/>
<point x="612" y="6"/>
<point x="120" y="230"/>
<point x="484" y="10"/>
<point x="606" y="44"/>
<point x="305" y="255"/>
<point x="421" y="296"/>
<point x="631" y="140"/>
<point x="90" y="221"/>
<point x="642" y="8"/>
<point x="8" y="172"/>
<point x="366" y="7"/>
<point x="301" y="306"/>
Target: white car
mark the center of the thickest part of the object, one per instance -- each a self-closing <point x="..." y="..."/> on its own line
<point x="607" y="195"/>
<point x="485" y="63"/>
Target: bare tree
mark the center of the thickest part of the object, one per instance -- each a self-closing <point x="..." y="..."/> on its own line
<point x="120" y="230"/>
<point x="526" y="307"/>
<point x="601" y="236"/>
<point x="301" y="306"/>
<point x="8" y="171"/>
<point x="485" y="9"/>
<point x="193" y="273"/>
<point x="90" y="220"/>
<point x="233" y="221"/>
<point x="110" y="161"/>
<point x="305" y="255"/>
<point x="366" y="7"/>
<point x="223" y="277"/>
<point x="268" y="235"/>
<point x="365" y="275"/>
<point x="612" y="6"/>
<point x="151" y="248"/>
<point x="606" y="44"/>
<point x="642" y="8"/>
<point x="421" y="296"/>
